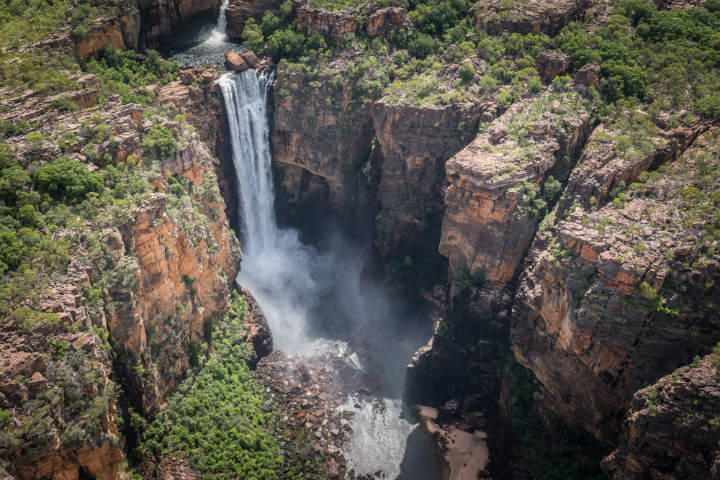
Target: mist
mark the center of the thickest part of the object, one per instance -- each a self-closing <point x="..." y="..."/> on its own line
<point x="323" y="302"/>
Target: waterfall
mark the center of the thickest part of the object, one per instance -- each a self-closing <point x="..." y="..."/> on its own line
<point x="245" y="97"/>
<point x="295" y="286"/>
<point x="284" y="275"/>
<point x="218" y="36"/>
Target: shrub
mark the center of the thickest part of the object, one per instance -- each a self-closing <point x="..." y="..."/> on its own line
<point x="708" y="107"/>
<point x="159" y="141"/>
<point x="422" y="45"/>
<point x="464" y="278"/>
<point x="467" y="72"/>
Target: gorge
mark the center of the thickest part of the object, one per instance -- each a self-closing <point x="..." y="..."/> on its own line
<point x="479" y="240"/>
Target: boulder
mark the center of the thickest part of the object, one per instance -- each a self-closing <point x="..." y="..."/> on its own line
<point x="37" y="382"/>
<point x="587" y="76"/>
<point x="551" y="63"/>
<point x="236" y="62"/>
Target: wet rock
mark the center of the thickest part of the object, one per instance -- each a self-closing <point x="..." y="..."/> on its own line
<point x="259" y="331"/>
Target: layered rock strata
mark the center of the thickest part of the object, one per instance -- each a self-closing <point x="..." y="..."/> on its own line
<point x="618" y="297"/>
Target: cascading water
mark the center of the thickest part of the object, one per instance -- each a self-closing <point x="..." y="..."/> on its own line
<point x="295" y="285"/>
<point x="204" y="43"/>
<point x="217" y="35"/>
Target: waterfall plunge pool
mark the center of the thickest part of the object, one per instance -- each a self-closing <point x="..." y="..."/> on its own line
<point x="319" y="303"/>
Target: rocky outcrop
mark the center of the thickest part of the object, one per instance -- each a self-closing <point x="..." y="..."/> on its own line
<point x="535" y="16"/>
<point x="551" y="63"/>
<point x="616" y="298"/>
<point x="672" y="430"/>
<point x="259" y="334"/>
<point x="493" y="201"/>
<point x="414" y="143"/>
<point x="239" y="11"/>
<point x="240" y="62"/>
<point x="41" y="442"/>
<point x="144" y="280"/>
<point x="616" y="155"/>
<point x="120" y="32"/>
<point x="387" y="20"/>
<point x="329" y="23"/>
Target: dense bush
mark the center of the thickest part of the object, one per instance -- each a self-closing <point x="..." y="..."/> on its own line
<point x="159" y="141"/>
<point x="124" y="73"/>
<point x="67" y="180"/>
<point x="217" y="417"/>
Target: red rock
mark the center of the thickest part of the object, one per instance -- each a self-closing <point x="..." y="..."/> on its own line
<point x="236" y="62"/>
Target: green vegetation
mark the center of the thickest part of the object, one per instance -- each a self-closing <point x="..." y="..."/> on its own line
<point x="643" y="49"/>
<point x="218" y="418"/>
<point x="562" y="451"/>
<point x="125" y="73"/>
<point x="464" y="278"/>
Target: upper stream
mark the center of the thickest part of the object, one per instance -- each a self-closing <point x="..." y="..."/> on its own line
<point x="320" y="302"/>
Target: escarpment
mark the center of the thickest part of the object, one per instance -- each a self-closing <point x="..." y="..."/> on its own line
<point x="413" y="144"/>
<point x="622" y="295"/>
<point x="321" y="137"/>
<point x="671" y="427"/>
<point x="535" y="16"/>
<point x="127" y="26"/>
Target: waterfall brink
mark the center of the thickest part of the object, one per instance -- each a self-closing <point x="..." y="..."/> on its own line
<point x="218" y="36"/>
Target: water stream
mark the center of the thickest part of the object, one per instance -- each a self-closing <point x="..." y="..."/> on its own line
<point x="320" y="302"/>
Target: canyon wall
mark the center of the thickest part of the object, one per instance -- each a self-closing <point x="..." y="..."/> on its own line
<point x="618" y="297"/>
<point x="146" y="278"/>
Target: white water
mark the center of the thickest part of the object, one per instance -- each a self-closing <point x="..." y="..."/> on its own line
<point x="204" y="44"/>
<point x="294" y="284"/>
<point x="217" y="35"/>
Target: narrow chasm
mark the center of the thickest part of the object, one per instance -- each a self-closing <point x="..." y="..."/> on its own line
<point x="342" y="337"/>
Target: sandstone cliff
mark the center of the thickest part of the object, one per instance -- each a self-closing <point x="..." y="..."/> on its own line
<point x="321" y="136"/>
<point x="671" y="430"/>
<point x="617" y="298"/>
<point x="499" y="184"/>
<point x="536" y="16"/>
<point x="414" y="143"/>
<point x="147" y="272"/>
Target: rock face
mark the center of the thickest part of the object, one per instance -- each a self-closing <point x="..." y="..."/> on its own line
<point x="121" y="33"/>
<point x="334" y="24"/>
<point x="321" y="136"/>
<point x="617" y="298"/>
<point x="259" y="335"/>
<point x="492" y="211"/>
<point x="239" y="11"/>
<point x="161" y="268"/>
<point x="671" y="430"/>
<point x="414" y="144"/>
<point x="535" y="16"/>
<point x="387" y="20"/>
<point x="29" y="375"/>
<point x="550" y="64"/>
<point x="162" y="18"/>
<point x="604" y="166"/>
